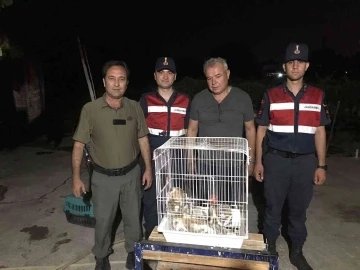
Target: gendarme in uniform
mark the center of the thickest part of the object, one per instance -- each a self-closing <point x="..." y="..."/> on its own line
<point x="165" y="118"/>
<point x="291" y="122"/>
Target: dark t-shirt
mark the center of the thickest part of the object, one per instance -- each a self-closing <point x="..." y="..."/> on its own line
<point x="224" y="119"/>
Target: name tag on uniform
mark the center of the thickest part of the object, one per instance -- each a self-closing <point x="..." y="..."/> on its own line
<point x="119" y="122"/>
<point x="309" y="107"/>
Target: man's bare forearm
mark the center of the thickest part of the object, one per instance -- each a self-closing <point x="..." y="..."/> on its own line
<point x="251" y="137"/>
<point x="77" y="155"/>
<point x="191" y="133"/>
<point x="260" y="134"/>
<point x="192" y="129"/>
<point x="145" y="151"/>
<point x="320" y="145"/>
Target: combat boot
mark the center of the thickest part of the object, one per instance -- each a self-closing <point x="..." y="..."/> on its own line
<point x="130" y="261"/>
<point x="271" y="245"/>
<point x="102" y="264"/>
<point x="297" y="258"/>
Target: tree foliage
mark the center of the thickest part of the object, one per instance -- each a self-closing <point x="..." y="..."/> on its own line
<point x="9" y="49"/>
<point x="5" y="3"/>
<point x="5" y="48"/>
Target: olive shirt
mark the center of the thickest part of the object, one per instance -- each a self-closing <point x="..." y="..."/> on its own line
<point x="113" y="144"/>
<point x="224" y="119"/>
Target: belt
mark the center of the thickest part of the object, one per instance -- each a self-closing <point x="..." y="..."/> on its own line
<point x="115" y="172"/>
<point x="284" y="153"/>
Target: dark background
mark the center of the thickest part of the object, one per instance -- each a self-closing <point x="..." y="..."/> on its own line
<point x="251" y="35"/>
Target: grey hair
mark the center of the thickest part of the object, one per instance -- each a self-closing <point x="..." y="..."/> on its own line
<point x="213" y="61"/>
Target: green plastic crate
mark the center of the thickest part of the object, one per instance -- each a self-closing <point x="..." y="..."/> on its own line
<point x="78" y="212"/>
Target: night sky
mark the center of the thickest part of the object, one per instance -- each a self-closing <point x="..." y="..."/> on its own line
<point x="138" y="32"/>
<point x="248" y="34"/>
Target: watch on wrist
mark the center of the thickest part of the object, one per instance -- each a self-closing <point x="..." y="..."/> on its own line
<point x="324" y="167"/>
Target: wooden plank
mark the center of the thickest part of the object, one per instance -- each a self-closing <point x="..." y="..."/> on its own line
<point x="254" y="242"/>
<point x="156" y="236"/>
<point x="184" y="266"/>
<point x="204" y="260"/>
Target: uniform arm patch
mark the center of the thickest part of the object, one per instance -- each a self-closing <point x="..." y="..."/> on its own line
<point x="263" y="114"/>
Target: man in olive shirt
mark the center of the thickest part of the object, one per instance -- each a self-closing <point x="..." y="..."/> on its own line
<point x="116" y="131"/>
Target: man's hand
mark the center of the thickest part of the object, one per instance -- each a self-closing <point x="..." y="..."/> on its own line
<point x="191" y="165"/>
<point x="191" y="162"/>
<point x="259" y="172"/>
<point x="146" y="155"/>
<point x="147" y="179"/>
<point x="320" y="176"/>
<point x="78" y="188"/>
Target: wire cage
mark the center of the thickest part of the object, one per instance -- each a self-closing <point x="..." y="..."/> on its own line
<point x="202" y="190"/>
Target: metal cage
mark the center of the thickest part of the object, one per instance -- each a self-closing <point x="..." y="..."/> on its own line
<point x="202" y="190"/>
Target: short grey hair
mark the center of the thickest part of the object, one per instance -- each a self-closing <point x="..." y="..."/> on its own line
<point x="213" y="61"/>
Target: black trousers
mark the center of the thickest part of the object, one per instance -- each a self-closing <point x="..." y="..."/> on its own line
<point x="149" y="204"/>
<point x="291" y="179"/>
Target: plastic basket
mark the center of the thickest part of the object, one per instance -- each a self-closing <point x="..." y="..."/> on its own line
<point x="78" y="212"/>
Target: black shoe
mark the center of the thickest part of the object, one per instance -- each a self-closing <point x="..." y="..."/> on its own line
<point x="102" y="263"/>
<point x="297" y="258"/>
<point x="271" y="245"/>
<point x="130" y="261"/>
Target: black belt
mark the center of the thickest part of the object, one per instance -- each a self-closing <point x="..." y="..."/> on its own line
<point x="284" y="153"/>
<point x="115" y="172"/>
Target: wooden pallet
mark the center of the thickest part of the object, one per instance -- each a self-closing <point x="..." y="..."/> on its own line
<point x="254" y="242"/>
<point x="252" y="255"/>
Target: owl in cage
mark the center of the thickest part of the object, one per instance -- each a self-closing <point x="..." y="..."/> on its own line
<point x="176" y="201"/>
<point x="176" y="208"/>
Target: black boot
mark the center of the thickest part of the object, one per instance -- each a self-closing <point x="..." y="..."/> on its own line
<point x="102" y="263"/>
<point x="130" y="261"/>
<point x="271" y="245"/>
<point x="297" y="258"/>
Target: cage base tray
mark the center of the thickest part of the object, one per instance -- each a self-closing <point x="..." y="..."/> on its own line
<point x="211" y="240"/>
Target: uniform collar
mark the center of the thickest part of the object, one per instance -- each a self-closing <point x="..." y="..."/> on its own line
<point x="173" y="95"/>
<point x="171" y="99"/>
<point x="303" y="88"/>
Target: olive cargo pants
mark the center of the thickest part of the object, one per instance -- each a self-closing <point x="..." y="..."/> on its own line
<point x="109" y="192"/>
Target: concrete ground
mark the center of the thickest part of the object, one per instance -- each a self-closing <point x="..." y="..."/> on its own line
<point x="34" y="180"/>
